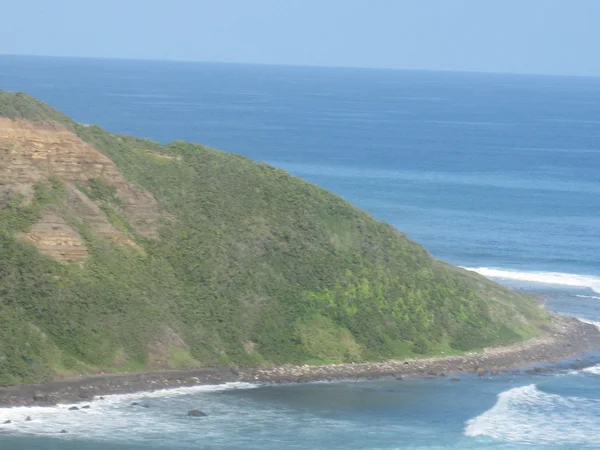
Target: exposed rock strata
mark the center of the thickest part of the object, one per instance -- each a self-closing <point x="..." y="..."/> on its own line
<point x="54" y="237"/>
<point x="31" y="152"/>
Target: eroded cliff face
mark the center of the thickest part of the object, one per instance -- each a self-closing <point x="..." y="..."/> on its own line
<point x="31" y="152"/>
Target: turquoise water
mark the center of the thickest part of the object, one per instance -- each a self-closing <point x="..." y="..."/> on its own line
<point x="493" y="172"/>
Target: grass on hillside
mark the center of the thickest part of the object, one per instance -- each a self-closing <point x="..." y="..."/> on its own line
<point x="252" y="266"/>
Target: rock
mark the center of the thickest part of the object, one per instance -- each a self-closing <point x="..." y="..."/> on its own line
<point x="73" y="408"/>
<point x="28" y="419"/>
<point x="39" y="397"/>
<point x="234" y="371"/>
<point x="196" y="413"/>
<point x="63" y="431"/>
<point x="141" y="405"/>
<point x="455" y="380"/>
<point x="84" y="395"/>
<point x="6" y="422"/>
<point x="101" y="398"/>
<point x="85" y="407"/>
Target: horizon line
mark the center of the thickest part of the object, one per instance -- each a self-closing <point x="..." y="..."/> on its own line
<point x="291" y="65"/>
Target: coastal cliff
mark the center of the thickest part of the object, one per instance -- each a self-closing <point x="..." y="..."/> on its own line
<point x="120" y="254"/>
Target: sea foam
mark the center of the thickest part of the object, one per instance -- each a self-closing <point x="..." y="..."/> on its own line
<point x="553" y="278"/>
<point x="595" y="370"/>
<point x="114" y="417"/>
<point x="526" y="414"/>
<point x="594" y="297"/>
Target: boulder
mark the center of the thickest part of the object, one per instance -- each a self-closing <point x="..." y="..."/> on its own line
<point x="85" y="407"/>
<point x="196" y="413"/>
<point x="85" y="394"/>
<point x="141" y="405"/>
<point x="28" y="419"/>
<point x="73" y="408"/>
<point x="455" y="380"/>
<point x="63" y="431"/>
<point x="40" y="397"/>
<point x="6" y="422"/>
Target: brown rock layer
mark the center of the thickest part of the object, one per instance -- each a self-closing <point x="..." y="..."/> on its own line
<point x="54" y="237"/>
<point x="30" y="152"/>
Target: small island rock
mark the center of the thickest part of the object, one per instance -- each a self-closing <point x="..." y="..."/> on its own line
<point x="196" y="413"/>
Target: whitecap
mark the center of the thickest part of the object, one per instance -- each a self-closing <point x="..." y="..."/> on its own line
<point x="114" y="417"/>
<point x="595" y="370"/>
<point x="553" y="278"/>
<point x="591" y="322"/>
<point x="528" y="415"/>
<point x="594" y="297"/>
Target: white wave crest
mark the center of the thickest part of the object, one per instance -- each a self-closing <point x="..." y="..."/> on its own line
<point x="595" y="297"/>
<point x="528" y="415"/>
<point x="554" y="278"/>
<point x="591" y="322"/>
<point x="114" y="417"/>
<point x="595" y="370"/>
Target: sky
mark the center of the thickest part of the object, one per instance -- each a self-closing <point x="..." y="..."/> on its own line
<point x="517" y="36"/>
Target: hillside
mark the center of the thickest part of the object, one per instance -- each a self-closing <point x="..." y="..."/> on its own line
<point x="121" y="254"/>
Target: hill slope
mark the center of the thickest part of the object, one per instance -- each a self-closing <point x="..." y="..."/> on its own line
<point x="122" y="254"/>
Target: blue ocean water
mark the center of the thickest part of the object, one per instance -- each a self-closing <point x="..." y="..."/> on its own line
<point x="498" y="173"/>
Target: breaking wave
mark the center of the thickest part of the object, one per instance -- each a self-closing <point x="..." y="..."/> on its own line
<point x="594" y="370"/>
<point x="595" y="297"/>
<point x="554" y="278"/>
<point x="528" y="415"/>
<point x="114" y="417"/>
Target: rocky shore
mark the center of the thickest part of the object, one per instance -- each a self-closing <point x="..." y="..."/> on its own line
<point x="567" y="338"/>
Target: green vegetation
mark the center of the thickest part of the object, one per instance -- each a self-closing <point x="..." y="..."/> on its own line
<point x="251" y="266"/>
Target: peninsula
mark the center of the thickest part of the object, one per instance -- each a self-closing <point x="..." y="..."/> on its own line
<point x="122" y="255"/>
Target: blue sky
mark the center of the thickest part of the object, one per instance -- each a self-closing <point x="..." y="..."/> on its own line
<point x="522" y="36"/>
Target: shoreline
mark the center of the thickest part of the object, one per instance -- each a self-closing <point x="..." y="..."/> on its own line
<point x="567" y="339"/>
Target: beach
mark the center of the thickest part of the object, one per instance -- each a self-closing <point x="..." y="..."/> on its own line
<point x="566" y="339"/>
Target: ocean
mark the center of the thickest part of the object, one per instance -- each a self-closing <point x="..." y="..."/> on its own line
<point x="496" y="173"/>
